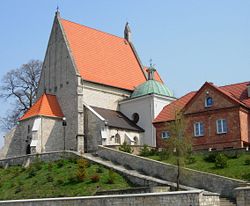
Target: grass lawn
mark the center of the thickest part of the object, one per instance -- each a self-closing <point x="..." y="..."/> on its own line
<point x="236" y="167"/>
<point x="57" y="179"/>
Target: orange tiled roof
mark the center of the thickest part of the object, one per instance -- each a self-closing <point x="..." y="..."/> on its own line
<point x="46" y="105"/>
<point x="103" y="58"/>
<point x="236" y="92"/>
<point x="168" y="112"/>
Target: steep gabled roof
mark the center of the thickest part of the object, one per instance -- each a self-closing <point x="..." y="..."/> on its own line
<point x="46" y="105"/>
<point x="103" y="58"/>
<point x="235" y="92"/>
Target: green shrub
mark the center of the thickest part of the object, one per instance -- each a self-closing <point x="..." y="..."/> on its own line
<point x="60" y="163"/>
<point x="72" y="179"/>
<point x="18" y="189"/>
<point x="37" y="163"/>
<point x="247" y="161"/>
<point x="50" y="167"/>
<point x="210" y="157"/>
<point x="145" y="151"/>
<point x="50" y="178"/>
<point x="232" y="155"/>
<point x="246" y="176"/>
<point x="99" y="169"/>
<point x="164" y="154"/>
<point x="81" y="170"/>
<point x="111" y="177"/>
<point x="60" y="182"/>
<point x="95" y="178"/>
<point x="190" y="159"/>
<point x="125" y="147"/>
<point x="220" y="161"/>
<point x="73" y="160"/>
<point x="31" y="172"/>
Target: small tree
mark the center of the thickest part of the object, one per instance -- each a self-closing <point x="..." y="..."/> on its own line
<point x="178" y="144"/>
<point x="82" y="169"/>
<point x="125" y="147"/>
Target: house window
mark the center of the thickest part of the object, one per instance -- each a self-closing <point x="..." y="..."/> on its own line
<point x="28" y="128"/>
<point x="208" y="102"/>
<point x="221" y="125"/>
<point x="198" y="129"/>
<point x="165" y="135"/>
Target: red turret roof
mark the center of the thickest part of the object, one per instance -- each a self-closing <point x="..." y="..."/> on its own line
<point x="46" y="105"/>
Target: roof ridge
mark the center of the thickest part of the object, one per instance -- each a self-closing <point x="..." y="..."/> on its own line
<point x="98" y="30"/>
<point x="41" y="102"/>
<point x="234" y="84"/>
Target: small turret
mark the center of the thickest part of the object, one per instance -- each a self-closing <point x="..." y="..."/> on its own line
<point x="127" y="33"/>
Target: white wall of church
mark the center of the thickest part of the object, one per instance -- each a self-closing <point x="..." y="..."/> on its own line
<point x="51" y="137"/>
<point x="103" y="96"/>
<point x="160" y="102"/>
<point x="144" y="107"/>
<point x="148" y="107"/>
<point x="117" y="136"/>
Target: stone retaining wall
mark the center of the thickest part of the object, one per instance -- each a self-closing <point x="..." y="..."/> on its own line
<point x="27" y="159"/>
<point x="194" y="198"/>
<point x="191" y="178"/>
<point x="243" y="196"/>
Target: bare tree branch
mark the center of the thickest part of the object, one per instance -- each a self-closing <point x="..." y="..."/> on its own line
<point x="20" y="86"/>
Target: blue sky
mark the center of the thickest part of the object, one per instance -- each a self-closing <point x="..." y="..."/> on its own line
<point x="189" y="41"/>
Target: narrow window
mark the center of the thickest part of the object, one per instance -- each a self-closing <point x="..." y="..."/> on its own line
<point x="208" y="101"/>
<point x="165" y="135"/>
<point x="117" y="139"/>
<point x="221" y="125"/>
<point x="198" y="129"/>
<point x="28" y="128"/>
<point x="136" y="140"/>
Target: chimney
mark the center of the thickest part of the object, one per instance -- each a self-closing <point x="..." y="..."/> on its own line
<point x="248" y="90"/>
<point x="127" y="33"/>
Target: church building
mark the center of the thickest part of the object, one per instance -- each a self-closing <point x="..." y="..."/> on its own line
<point x="93" y="90"/>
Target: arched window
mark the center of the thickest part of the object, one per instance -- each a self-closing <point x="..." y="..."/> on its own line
<point x="135" y="117"/>
<point x="136" y="140"/>
<point x="208" y="101"/>
<point x="117" y="139"/>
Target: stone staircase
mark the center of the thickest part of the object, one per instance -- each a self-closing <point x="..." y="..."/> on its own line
<point x="227" y="202"/>
<point x="134" y="176"/>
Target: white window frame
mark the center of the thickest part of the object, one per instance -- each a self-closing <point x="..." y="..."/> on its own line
<point x="200" y="132"/>
<point x="206" y="105"/>
<point x="165" y="134"/>
<point x="221" y="126"/>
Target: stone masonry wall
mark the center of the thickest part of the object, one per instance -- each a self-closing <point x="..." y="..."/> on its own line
<point x="194" y="198"/>
<point x="191" y="178"/>
<point x="92" y="125"/>
<point x="59" y="77"/>
<point x="243" y="196"/>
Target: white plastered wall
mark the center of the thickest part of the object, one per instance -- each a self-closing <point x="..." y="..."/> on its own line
<point x="148" y="107"/>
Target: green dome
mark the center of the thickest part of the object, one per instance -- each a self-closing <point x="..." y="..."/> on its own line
<point x="151" y="87"/>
